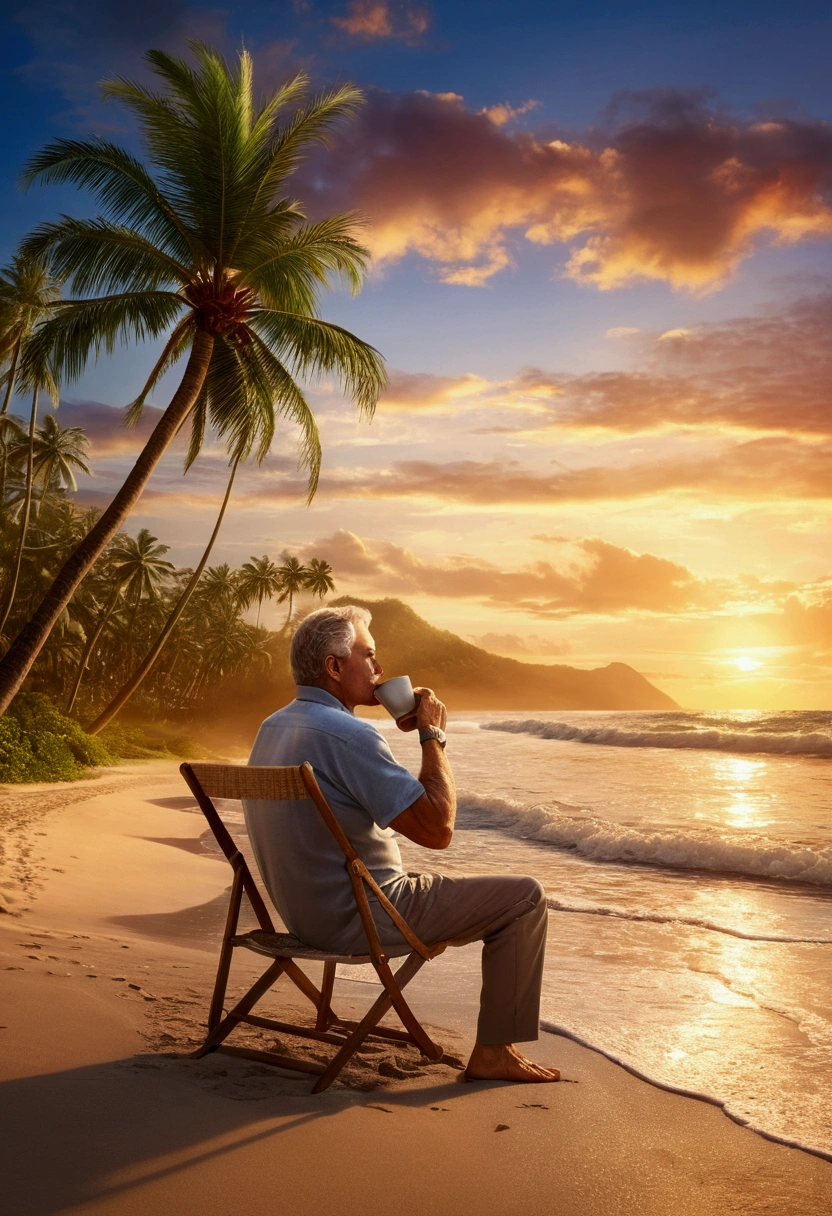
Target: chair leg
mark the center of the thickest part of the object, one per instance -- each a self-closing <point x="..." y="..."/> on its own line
<point x="409" y="1020"/>
<point x="325" y="1016"/>
<point x="224" y="966"/>
<point x="239" y="1011"/>
<point x="352" y="1044"/>
<point x="365" y="1027"/>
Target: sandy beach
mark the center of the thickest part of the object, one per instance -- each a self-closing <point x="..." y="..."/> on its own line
<point x="112" y="909"/>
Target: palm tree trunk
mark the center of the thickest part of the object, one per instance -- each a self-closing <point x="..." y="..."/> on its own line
<point x="289" y="617"/>
<point x="90" y="646"/>
<point x="152" y="655"/>
<point x="26" y="647"/>
<point x="24" y="526"/>
<point x="12" y="371"/>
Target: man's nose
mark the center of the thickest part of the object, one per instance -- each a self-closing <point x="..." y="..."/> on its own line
<point x="377" y="668"/>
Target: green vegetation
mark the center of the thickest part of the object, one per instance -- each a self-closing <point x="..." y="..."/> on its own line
<point x="199" y="246"/>
<point x="39" y="743"/>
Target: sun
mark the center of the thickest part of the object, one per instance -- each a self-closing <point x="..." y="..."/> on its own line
<point x="745" y="662"/>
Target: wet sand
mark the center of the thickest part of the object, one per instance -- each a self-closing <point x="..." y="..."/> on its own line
<point x="113" y="909"/>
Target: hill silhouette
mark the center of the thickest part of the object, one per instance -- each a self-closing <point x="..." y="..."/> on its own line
<point x="465" y="676"/>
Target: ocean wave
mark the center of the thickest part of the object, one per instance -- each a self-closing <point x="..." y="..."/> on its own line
<point x="813" y="743"/>
<point x="700" y="1095"/>
<point x="599" y="839"/>
<point x="697" y="922"/>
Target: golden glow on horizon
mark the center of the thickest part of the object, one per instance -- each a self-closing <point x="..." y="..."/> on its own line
<point x="745" y="662"/>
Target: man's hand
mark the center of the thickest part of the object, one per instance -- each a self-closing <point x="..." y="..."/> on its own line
<point x="429" y="711"/>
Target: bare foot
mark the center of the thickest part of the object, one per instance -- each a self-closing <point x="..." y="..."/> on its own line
<point x="503" y="1062"/>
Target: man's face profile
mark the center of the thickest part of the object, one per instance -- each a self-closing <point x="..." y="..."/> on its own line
<point x="358" y="674"/>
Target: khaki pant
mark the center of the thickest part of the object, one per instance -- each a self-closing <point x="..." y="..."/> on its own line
<point x="507" y="913"/>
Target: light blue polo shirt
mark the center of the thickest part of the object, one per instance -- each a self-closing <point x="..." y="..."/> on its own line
<point x="300" y="862"/>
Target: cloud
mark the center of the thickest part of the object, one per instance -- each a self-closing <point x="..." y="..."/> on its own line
<point x="770" y="373"/>
<point x="514" y="644"/>
<point x="675" y="191"/>
<point x="759" y="470"/>
<point x="504" y="113"/>
<point x="372" y="19"/>
<point x="422" y="390"/>
<point x="105" y="429"/>
<point x="591" y="576"/>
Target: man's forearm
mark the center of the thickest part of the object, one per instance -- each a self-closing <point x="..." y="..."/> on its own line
<point x="438" y="780"/>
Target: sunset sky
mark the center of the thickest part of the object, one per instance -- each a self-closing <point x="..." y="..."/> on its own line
<point x="602" y="282"/>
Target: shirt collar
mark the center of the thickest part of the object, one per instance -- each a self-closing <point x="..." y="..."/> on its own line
<point x="308" y="692"/>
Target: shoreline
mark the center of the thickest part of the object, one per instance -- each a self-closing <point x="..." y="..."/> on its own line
<point x="120" y="874"/>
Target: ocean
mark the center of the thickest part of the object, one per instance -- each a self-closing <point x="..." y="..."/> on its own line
<point x="687" y="860"/>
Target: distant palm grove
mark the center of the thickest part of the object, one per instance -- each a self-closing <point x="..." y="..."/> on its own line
<point x="125" y="602"/>
<point x="199" y="249"/>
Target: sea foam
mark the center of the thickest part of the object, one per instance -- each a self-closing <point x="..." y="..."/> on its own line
<point x="601" y="840"/>
<point x="811" y="743"/>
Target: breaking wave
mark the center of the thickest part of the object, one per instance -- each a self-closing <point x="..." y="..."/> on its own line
<point x="811" y="743"/>
<point x="599" y="839"/>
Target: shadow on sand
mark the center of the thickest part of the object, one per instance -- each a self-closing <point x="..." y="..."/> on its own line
<point x="99" y="1132"/>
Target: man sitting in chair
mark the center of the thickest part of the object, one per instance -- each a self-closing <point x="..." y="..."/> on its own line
<point x="335" y="668"/>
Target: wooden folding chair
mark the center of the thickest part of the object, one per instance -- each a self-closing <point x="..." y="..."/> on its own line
<point x="208" y="781"/>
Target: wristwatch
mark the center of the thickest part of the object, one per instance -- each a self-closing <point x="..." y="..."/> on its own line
<point x="432" y="732"/>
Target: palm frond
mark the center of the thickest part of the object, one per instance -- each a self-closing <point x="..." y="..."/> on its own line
<point x="287" y="274"/>
<point x="121" y="184"/>
<point x="310" y="126"/>
<point x="173" y="350"/>
<point x="198" y="419"/>
<point x="66" y="339"/>
<point x="313" y="347"/>
<point x="101" y="257"/>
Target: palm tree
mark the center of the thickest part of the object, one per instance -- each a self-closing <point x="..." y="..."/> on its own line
<point x="259" y="579"/>
<point x="220" y="585"/>
<point x="126" y="691"/>
<point x="292" y="580"/>
<point x="228" y="643"/>
<point x="137" y="569"/>
<point x="146" y="570"/>
<point x="319" y="578"/>
<point x="11" y="438"/>
<point x="201" y="249"/>
<point x="57" y="453"/>
<point x="27" y="291"/>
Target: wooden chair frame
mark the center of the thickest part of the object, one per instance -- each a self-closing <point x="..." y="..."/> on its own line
<point x="207" y="781"/>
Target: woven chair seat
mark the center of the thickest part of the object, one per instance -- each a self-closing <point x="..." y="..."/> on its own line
<point x="286" y="945"/>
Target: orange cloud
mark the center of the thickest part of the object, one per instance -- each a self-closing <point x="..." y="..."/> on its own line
<point x="761" y="470"/>
<point x="504" y="113"/>
<point x="592" y="577"/>
<point x="370" y="19"/>
<point x="767" y="374"/>
<point x="422" y="390"/>
<point x="677" y="193"/>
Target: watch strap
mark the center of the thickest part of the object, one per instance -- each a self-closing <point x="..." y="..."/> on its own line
<point x="432" y="732"/>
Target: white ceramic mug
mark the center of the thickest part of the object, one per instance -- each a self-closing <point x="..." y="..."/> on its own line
<point x="397" y="696"/>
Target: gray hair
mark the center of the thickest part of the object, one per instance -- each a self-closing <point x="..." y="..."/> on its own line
<point x="326" y="631"/>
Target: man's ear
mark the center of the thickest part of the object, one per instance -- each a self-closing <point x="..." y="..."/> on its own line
<point x="332" y="667"/>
